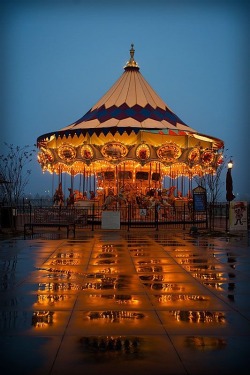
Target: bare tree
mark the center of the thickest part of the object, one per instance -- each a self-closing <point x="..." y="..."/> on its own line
<point x="14" y="171"/>
<point x="213" y="184"/>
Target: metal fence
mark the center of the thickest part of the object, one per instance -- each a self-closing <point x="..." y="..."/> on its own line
<point x="158" y="217"/>
<point x="130" y="217"/>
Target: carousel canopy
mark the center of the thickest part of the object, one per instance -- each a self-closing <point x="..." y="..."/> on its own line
<point x="131" y="124"/>
<point x="130" y="103"/>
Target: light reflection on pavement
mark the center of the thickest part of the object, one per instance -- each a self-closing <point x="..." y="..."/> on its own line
<point x="150" y="303"/>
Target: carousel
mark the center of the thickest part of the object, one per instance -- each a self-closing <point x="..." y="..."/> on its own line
<point x="129" y="146"/>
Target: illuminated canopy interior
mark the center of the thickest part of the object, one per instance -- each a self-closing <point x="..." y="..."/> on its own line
<point x="130" y="134"/>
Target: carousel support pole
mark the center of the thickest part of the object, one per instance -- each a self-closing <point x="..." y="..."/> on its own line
<point x="83" y="182"/>
<point x="63" y="185"/>
<point x="72" y="179"/>
<point x="80" y="182"/>
<point x="90" y="180"/>
<point x="119" y="178"/>
<point x="123" y="175"/>
<point x="52" y="190"/>
<point x="159" y="181"/>
<point x="156" y="171"/>
<point x="87" y="185"/>
<point x="182" y="185"/>
<point x="59" y="175"/>
<point x="149" y="179"/>
<point x="189" y="183"/>
<point x="116" y="178"/>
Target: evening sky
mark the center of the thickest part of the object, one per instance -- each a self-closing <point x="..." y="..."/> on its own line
<point x="59" y="57"/>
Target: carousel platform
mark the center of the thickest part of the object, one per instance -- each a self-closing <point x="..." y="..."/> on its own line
<point x="139" y="302"/>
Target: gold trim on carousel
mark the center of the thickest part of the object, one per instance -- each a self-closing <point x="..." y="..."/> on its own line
<point x="67" y="153"/>
<point x="169" y="152"/>
<point x="87" y="152"/>
<point x="48" y="155"/>
<point x="220" y="159"/>
<point x="142" y="152"/>
<point x="114" y="151"/>
<point x="207" y="157"/>
<point x="194" y="155"/>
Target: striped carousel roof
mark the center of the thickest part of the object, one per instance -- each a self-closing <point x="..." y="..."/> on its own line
<point x="130" y="104"/>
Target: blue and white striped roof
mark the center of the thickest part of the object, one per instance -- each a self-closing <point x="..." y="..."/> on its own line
<point x="130" y="103"/>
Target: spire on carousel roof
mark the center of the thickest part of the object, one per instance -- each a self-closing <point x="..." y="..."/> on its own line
<point x="132" y="63"/>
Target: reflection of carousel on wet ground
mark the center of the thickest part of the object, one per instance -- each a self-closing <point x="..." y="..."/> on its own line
<point x="130" y="149"/>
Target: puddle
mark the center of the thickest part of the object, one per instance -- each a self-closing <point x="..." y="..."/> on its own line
<point x="51" y="299"/>
<point x="42" y="318"/>
<point x="55" y="273"/>
<point x="139" y="253"/>
<point x="111" y="348"/>
<point x="150" y="269"/>
<point x="164" y="286"/>
<point x="115" y="316"/>
<point x="205" y="343"/>
<point x="106" y="261"/>
<point x="118" y="298"/>
<point x="149" y="261"/>
<point x="199" y="316"/>
<point x="165" y="298"/>
<point x="106" y="255"/>
<point x="65" y="262"/>
<point x="109" y="248"/>
<point x="119" y="282"/>
<point x="210" y="277"/>
<point x="151" y="277"/>
<point x="54" y="287"/>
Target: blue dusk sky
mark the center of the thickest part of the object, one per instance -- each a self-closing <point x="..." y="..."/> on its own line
<point x="58" y="58"/>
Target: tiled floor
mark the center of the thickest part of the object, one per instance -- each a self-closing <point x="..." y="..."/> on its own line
<point x="139" y="302"/>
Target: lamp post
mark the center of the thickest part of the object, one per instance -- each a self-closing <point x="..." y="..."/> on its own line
<point x="229" y="188"/>
<point x="230" y="164"/>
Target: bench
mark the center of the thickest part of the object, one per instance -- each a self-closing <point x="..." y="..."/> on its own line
<point x="56" y="217"/>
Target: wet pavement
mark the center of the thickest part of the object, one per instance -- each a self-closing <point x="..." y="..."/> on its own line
<point x="139" y="302"/>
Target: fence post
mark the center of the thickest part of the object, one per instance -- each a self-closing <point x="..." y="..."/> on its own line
<point x="129" y="215"/>
<point x="184" y="213"/>
<point x="30" y="208"/>
<point x="227" y="217"/>
<point x="93" y="215"/>
<point x="156" y="216"/>
<point x="207" y="215"/>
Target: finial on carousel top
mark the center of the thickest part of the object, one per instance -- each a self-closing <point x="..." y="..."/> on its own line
<point x="132" y="64"/>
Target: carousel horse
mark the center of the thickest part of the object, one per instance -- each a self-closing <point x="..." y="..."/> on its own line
<point x="165" y="208"/>
<point x="119" y="199"/>
<point x="100" y="196"/>
<point x="109" y="202"/>
<point x="122" y="197"/>
<point x="58" y="198"/>
<point x="123" y="200"/>
<point x="78" y="195"/>
<point x="92" y="195"/>
<point x="151" y="203"/>
<point x="169" y="194"/>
